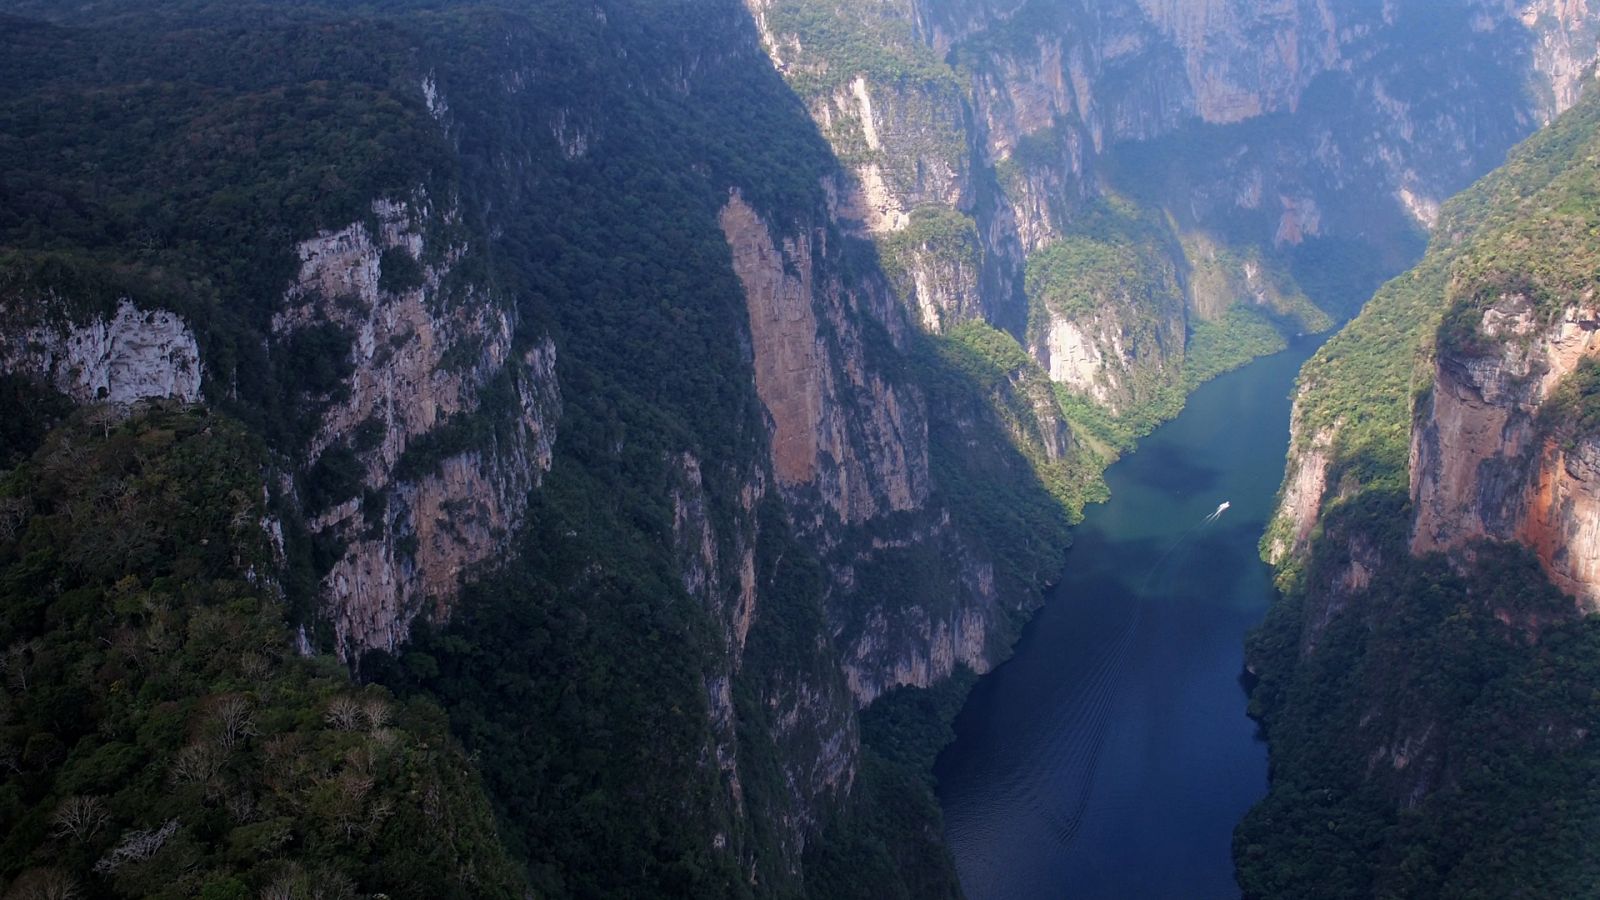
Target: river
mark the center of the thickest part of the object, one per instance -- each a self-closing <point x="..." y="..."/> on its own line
<point x="1111" y="756"/>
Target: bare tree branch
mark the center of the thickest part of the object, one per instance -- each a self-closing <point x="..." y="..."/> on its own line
<point x="79" y="818"/>
<point x="137" y="846"/>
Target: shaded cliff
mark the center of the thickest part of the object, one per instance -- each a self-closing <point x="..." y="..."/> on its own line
<point x="1502" y="447"/>
<point x="392" y="479"/>
<point x="586" y="410"/>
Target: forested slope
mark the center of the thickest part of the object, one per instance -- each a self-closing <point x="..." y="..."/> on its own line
<point x="162" y="738"/>
<point x="1427" y="693"/>
<point x="466" y="292"/>
<point x="475" y="448"/>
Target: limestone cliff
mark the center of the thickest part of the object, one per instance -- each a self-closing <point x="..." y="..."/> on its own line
<point x="1564" y="51"/>
<point x="1107" y="317"/>
<point x="936" y="262"/>
<point x="1305" y="485"/>
<point x="424" y="349"/>
<point x="1482" y="465"/>
<point x="1244" y="59"/>
<point x="838" y="427"/>
<point x="1561" y="522"/>
<point x="811" y="715"/>
<point x="850" y="456"/>
<point x="719" y="570"/>
<point x="133" y="355"/>
<point x="1437" y="549"/>
<point x="946" y="288"/>
<point x="888" y="645"/>
<point x="1017" y="114"/>
<point x="661" y="625"/>
<point x="793" y="458"/>
<point x="424" y="352"/>
<point x="904" y="142"/>
<point x="1096" y="356"/>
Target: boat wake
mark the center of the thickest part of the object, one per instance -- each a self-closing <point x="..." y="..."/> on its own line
<point x="1077" y="757"/>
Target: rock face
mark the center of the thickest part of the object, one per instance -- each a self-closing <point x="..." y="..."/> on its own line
<point x="849" y="451"/>
<point x="984" y="136"/>
<point x="1116" y="354"/>
<point x="1484" y="465"/>
<point x="963" y="618"/>
<point x="719" y="570"/>
<point x="830" y="562"/>
<point x="818" y="564"/>
<point x="1008" y="113"/>
<point x="423" y="352"/>
<point x="1304" y="487"/>
<point x="905" y="145"/>
<point x="848" y="454"/>
<point x="134" y="355"/>
<point x="1565" y="36"/>
<point x="1444" y="454"/>
<point x="865" y="457"/>
<point x="424" y="348"/>
<point x="1073" y="357"/>
<point x="1562" y="519"/>
<point x="1244" y="59"/>
<point x="947" y="287"/>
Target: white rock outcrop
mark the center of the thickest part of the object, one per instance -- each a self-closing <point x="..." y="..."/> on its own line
<point x="137" y="354"/>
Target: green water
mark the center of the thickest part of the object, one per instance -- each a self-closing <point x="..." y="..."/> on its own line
<point x="1111" y="757"/>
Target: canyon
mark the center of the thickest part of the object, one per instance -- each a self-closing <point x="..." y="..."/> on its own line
<point x="700" y="378"/>
<point x="1437" y="516"/>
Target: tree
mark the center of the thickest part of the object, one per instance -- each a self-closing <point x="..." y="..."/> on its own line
<point x="344" y="713"/>
<point x="44" y="884"/>
<point x="137" y="846"/>
<point x="377" y="712"/>
<point x="197" y="763"/>
<point x="79" y="818"/>
<point x="233" y="720"/>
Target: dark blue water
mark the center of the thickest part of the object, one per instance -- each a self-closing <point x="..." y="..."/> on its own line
<point x="1111" y="757"/>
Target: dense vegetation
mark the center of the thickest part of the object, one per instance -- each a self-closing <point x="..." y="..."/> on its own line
<point x="1430" y="719"/>
<point x="852" y="40"/>
<point x="993" y="367"/>
<point x="1120" y="261"/>
<point x="576" y="694"/>
<point x="27" y="413"/>
<point x="1116" y="254"/>
<point x="182" y="171"/>
<point x="1435" y="743"/>
<point x="1573" y="407"/>
<point x="1077" y="276"/>
<point x="161" y="736"/>
<point x="1121" y="270"/>
<point x="178" y="167"/>
<point x="895" y="825"/>
<point x="935" y="233"/>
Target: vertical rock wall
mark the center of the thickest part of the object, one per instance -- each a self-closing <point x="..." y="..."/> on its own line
<point x="1484" y="463"/>
<point x="423" y="353"/>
